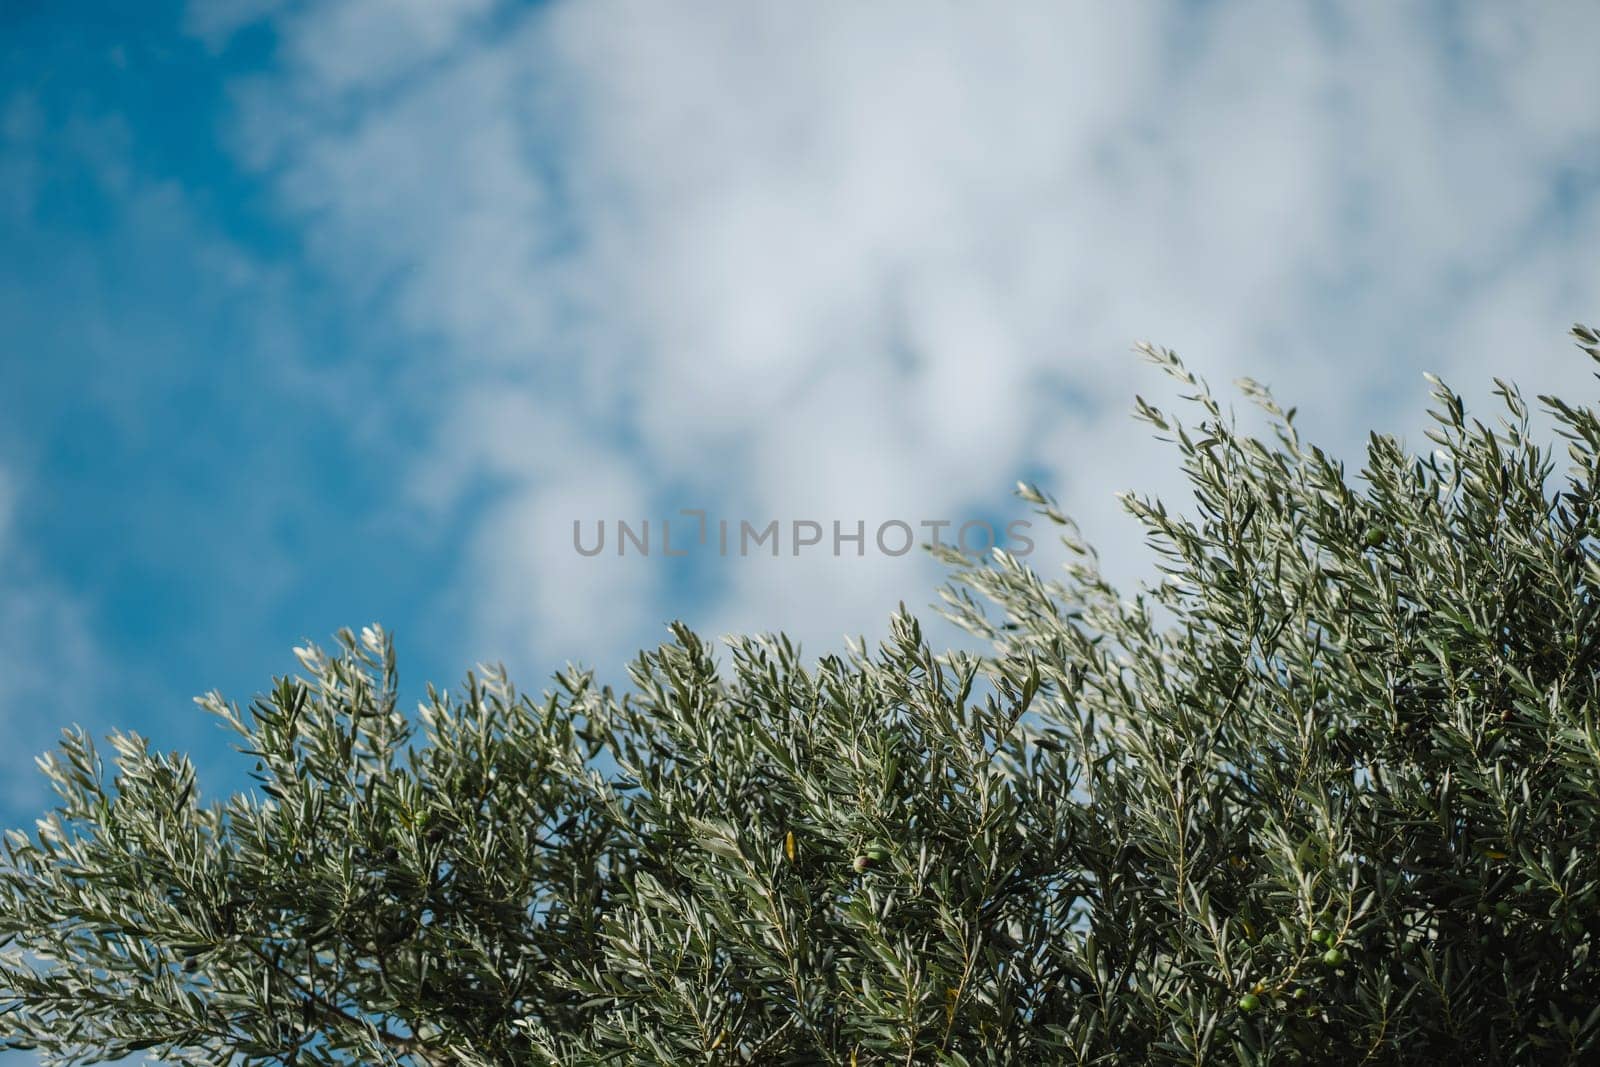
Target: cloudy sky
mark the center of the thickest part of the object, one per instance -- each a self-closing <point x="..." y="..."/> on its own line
<point x="325" y="313"/>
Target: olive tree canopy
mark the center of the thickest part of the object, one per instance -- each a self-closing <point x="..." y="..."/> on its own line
<point x="1328" y="791"/>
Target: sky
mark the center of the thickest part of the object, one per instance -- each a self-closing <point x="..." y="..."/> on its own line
<point x="320" y="314"/>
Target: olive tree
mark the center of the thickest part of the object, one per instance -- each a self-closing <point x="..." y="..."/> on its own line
<point x="1326" y="791"/>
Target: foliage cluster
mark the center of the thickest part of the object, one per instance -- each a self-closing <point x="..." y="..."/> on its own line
<point x="1327" y="792"/>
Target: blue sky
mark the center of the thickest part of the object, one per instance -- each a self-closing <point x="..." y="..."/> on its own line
<point x="322" y="314"/>
<point x="180" y="418"/>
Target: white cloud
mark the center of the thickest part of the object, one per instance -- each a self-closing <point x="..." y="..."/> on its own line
<point x="531" y="589"/>
<point x="844" y="262"/>
<point x="215" y="21"/>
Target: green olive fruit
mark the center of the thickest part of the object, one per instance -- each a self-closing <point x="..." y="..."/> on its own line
<point x="1249" y="1002"/>
<point x="1333" y="957"/>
